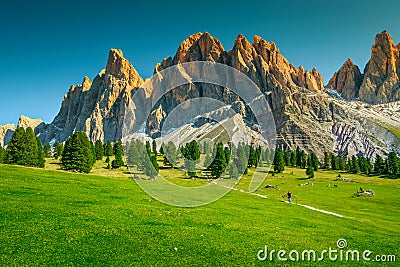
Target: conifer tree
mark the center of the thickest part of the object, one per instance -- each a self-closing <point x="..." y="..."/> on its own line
<point x="219" y="165"/>
<point x="78" y="153"/>
<point x="99" y="148"/>
<point x="108" y="149"/>
<point x="47" y="150"/>
<point x="40" y="162"/>
<point x="279" y="164"/>
<point x="118" y="161"/>
<point x="314" y="161"/>
<point x="58" y="149"/>
<point x="2" y="154"/>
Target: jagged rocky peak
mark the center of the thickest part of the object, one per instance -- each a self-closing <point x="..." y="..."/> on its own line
<point x="380" y="82"/>
<point x="347" y="80"/>
<point x="120" y="68"/>
<point x="26" y="122"/>
<point x="198" y="47"/>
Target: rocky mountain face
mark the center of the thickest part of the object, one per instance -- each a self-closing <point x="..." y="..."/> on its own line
<point x="97" y="107"/>
<point x="380" y="82"/>
<point x="347" y="80"/>
<point x="305" y="115"/>
<point x="6" y="131"/>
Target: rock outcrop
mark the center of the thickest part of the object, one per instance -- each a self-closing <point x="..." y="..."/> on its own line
<point x="380" y="82"/>
<point x="347" y="80"/>
<point x="26" y="122"/>
<point x="6" y="131"/>
<point x="97" y="107"/>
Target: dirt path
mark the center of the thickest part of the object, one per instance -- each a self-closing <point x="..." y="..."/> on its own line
<point x="302" y="205"/>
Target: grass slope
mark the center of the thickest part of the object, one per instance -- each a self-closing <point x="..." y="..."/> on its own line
<point x="50" y="217"/>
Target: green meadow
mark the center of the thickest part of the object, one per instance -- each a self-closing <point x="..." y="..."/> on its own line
<point x="53" y="217"/>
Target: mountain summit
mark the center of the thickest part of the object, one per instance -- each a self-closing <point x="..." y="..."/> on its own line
<point x="380" y="82"/>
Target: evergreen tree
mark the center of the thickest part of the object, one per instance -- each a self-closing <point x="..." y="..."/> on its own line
<point x="218" y="166"/>
<point x="191" y="152"/>
<point x="162" y="149"/>
<point x="16" y="148"/>
<point x="148" y="148"/>
<point x="150" y="164"/>
<point x="77" y="154"/>
<point x="314" y="161"/>
<point x="108" y="150"/>
<point x="118" y="161"/>
<point x="299" y="155"/>
<point x="40" y="162"/>
<point x="393" y="163"/>
<point x="303" y="159"/>
<point x="310" y="171"/>
<point x="293" y="158"/>
<point x="327" y="160"/>
<point x="279" y="164"/>
<point x="2" y="154"/>
<point x="227" y="152"/>
<point x="58" y="147"/>
<point x="47" y="150"/>
<point x="99" y="148"/>
<point x="342" y="163"/>
<point x="334" y="162"/>
<point x="379" y="165"/>
<point x="252" y="157"/>
<point x="286" y="158"/>
<point x="31" y="149"/>
<point x="233" y="171"/>
<point x="154" y="146"/>
<point x="355" y="165"/>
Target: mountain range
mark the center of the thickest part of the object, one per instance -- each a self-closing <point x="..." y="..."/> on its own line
<point x="355" y="113"/>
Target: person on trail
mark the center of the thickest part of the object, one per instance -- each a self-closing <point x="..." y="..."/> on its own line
<point x="289" y="196"/>
<point x="362" y="190"/>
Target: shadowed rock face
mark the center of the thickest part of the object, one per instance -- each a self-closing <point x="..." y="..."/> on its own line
<point x="380" y="82"/>
<point x="347" y="80"/>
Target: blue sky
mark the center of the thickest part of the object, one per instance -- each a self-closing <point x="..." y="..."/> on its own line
<point x="48" y="45"/>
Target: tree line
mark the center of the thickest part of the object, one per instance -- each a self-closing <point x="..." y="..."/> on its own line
<point x="79" y="154"/>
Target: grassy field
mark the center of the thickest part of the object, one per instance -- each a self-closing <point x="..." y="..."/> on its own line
<point x="52" y="217"/>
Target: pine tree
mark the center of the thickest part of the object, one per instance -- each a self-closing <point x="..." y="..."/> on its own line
<point x="327" y="160"/>
<point x="78" y="153"/>
<point x="2" y="154"/>
<point x="252" y="157"/>
<point x="355" y="166"/>
<point x="47" y="150"/>
<point x="310" y="170"/>
<point x="227" y="152"/>
<point x="286" y="158"/>
<point x="118" y="161"/>
<point x="314" y="161"/>
<point x="342" y="163"/>
<point x="40" y="162"/>
<point x="393" y="163"/>
<point x="31" y="149"/>
<point x="293" y="158"/>
<point x="150" y="164"/>
<point x="279" y="164"/>
<point x="154" y="146"/>
<point x="303" y="159"/>
<point x="99" y="148"/>
<point x="16" y="148"/>
<point x="379" y="165"/>
<point x="58" y="147"/>
<point x="334" y="162"/>
<point x="233" y="171"/>
<point x="148" y="149"/>
<point x="218" y="166"/>
<point x="108" y="149"/>
<point x="162" y="149"/>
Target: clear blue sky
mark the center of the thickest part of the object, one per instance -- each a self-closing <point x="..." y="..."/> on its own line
<point x="48" y="45"/>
